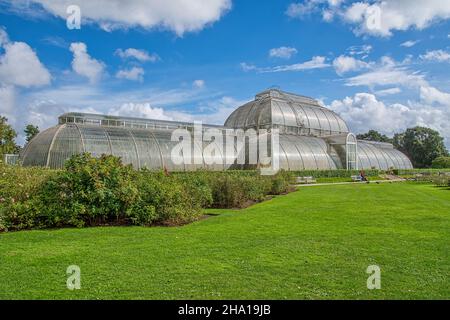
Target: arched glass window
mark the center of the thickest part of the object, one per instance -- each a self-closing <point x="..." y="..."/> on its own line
<point x="351" y="152"/>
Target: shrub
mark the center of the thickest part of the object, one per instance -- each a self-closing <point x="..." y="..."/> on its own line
<point x="235" y="191"/>
<point x="18" y="189"/>
<point x="197" y="184"/>
<point x="94" y="191"/>
<point x="282" y="183"/>
<point x="89" y="191"/>
<point x="174" y="200"/>
<point x="441" y="163"/>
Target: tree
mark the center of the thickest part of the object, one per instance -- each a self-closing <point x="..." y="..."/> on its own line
<point x="374" y="135"/>
<point x="31" y="131"/>
<point x="421" y="144"/>
<point x="7" y="137"/>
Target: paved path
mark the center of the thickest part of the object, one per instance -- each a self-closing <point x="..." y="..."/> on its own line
<point x="343" y="183"/>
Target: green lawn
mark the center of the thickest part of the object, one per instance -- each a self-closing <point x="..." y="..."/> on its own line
<point x="344" y="179"/>
<point x="312" y="244"/>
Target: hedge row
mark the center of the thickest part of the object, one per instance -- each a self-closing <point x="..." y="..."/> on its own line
<point x="91" y="191"/>
<point x="406" y="172"/>
<point x="342" y="173"/>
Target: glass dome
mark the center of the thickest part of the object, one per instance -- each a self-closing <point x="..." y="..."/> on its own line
<point x="289" y="113"/>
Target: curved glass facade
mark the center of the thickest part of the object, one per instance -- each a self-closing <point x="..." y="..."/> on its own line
<point x="152" y="149"/>
<point x="381" y="156"/>
<point x="289" y="113"/>
<point x="311" y="137"/>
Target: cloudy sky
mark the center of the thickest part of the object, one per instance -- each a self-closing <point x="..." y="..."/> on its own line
<point x="382" y="65"/>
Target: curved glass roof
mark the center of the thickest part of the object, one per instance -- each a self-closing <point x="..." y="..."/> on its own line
<point x="311" y="137"/>
<point x="290" y="113"/>
<point x="152" y="148"/>
<point x="381" y="156"/>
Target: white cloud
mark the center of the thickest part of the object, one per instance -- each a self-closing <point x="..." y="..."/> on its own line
<point x="364" y="111"/>
<point x="282" y="52"/>
<point x="327" y="15"/>
<point x="140" y="110"/>
<point x="381" y="18"/>
<point x="376" y="17"/>
<point x="316" y="62"/>
<point x="387" y="77"/>
<point x="42" y="107"/>
<point x="247" y="67"/>
<point x="140" y="55"/>
<point x="135" y="74"/>
<point x="298" y="10"/>
<point x="4" y="39"/>
<point x="409" y="43"/>
<point x="8" y="102"/>
<point x="216" y="111"/>
<point x="436" y="56"/>
<point x="301" y="9"/>
<point x="362" y="51"/>
<point x="84" y="65"/>
<point x="20" y="66"/>
<point x="179" y="16"/>
<point x="431" y="95"/>
<point x="388" y="73"/>
<point x="199" y="84"/>
<point x="387" y="92"/>
<point x="344" y="64"/>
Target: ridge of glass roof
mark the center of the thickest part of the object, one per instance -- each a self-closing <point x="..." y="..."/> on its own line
<point x="276" y="93"/>
<point x="118" y="121"/>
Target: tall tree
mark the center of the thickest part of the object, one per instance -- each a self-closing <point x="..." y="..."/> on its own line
<point x="7" y="137"/>
<point x="422" y="145"/>
<point x="31" y="131"/>
<point x="374" y="135"/>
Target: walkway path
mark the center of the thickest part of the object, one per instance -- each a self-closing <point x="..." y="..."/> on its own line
<point x="343" y="183"/>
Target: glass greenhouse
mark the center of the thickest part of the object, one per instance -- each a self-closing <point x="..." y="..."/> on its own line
<point x="310" y="137"/>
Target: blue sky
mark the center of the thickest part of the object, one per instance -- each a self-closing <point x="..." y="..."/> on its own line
<point x="382" y="66"/>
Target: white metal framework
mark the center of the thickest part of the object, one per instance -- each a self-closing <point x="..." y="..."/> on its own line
<point x="311" y="137"/>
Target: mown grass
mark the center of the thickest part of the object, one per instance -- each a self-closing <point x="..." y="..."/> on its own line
<point x="344" y="179"/>
<point x="312" y="244"/>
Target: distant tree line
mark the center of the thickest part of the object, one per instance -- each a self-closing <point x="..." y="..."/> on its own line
<point x="422" y="145"/>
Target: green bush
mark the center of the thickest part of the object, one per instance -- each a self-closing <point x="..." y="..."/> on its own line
<point x="233" y="191"/>
<point x="18" y="189"/>
<point x="441" y="163"/>
<point x="97" y="191"/>
<point x="409" y="172"/>
<point x="282" y="182"/>
<point x="89" y="191"/>
<point x="175" y="200"/>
